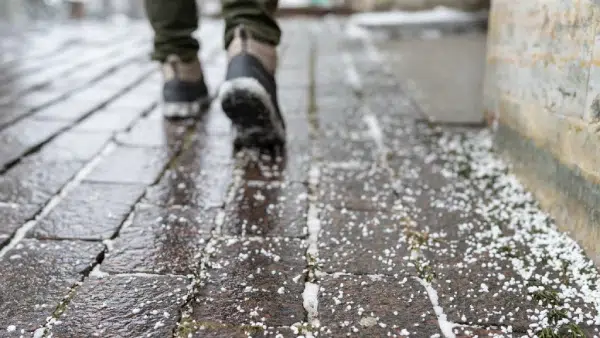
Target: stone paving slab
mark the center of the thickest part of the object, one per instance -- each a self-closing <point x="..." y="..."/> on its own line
<point x="35" y="180"/>
<point x="267" y="209"/>
<point x="291" y="165"/>
<point x="362" y="242"/>
<point x="109" y="121"/>
<point x="92" y="211"/>
<point x="130" y="166"/>
<point x="217" y="330"/>
<point x="13" y="216"/>
<point x="161" y="240"/>
<point x="155" y="133"/>
<point x="363" y="188"/>
<point x="24" y="136"/>
<point x="375" y="306"/>
<point x="124" y="306"/>
<point x="36" y="275"/>
<point x="200" y="177"/>
<point x="253" y="282"/>
<point x="75" y="145"/>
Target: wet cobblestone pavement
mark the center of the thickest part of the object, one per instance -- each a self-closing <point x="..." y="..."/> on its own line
<point x="372" y="222"/>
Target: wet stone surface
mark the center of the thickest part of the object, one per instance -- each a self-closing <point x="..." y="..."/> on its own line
<point x="19" y="138"/>
<point x="339" y="110"/>
<point x="36" y="275"/>
<point x="130" y="165"/>
<point x="204" y="189"/>
<point x="35" y="180"/>
<point x="362" y="242"/>
<point x="375" y="306"/>
<point x="109" y="120"/>
<point x="199" y="177"/>
<point x="124" y="306"/>
<point x="75" y="145"/>
<point x="219" y="330"/>
<point x="362" y="188"/>
<point x="92" y="211"/>
<point x="267" y="209"/>
<point x="349" y="147"/>
<point x="158" y="133"/>
<point x="254" y="282"/>
<point x="12" y="217"/>
<point x="161" y="240"/>
<point x="72" y="108"/>
<point x="472" y="294"/>
<point x="294" y="102"/>
<point x="288" y="165"/>
<point x="391" y="217"/>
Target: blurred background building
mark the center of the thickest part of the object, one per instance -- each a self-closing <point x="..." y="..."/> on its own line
<point x="16" y="11"/>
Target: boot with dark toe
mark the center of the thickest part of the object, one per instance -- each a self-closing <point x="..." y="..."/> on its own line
<point x="184" y="92"/>
<point x="249" y="94"/>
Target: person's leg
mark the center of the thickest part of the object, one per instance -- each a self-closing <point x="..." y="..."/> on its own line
<point x="249" y="94"/>
<point x="256" y="15"/>
<point x="174" y="21"/>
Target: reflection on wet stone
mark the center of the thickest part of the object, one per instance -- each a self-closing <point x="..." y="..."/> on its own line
<point x="124" y="306"/>
<point x="268" y="209"/>
<point x="205" y="190"/>
<point x="199" y="177"/>
<point x="90" y="211"/>
<point x="130" y="165"/>
<point x="253" y="282"/>
<point x="290" y="164"/>
<point x="261" y="165"/>
<point x="109" y="121"/>
<point x="75" y="145"/>
<point x="155" y="133"/>
<point x="36" y="275"/>
<point x="161" y="240"/>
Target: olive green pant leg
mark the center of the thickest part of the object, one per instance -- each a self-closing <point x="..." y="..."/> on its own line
<point x="173" y="22"/>
<point x="256" y="15"/>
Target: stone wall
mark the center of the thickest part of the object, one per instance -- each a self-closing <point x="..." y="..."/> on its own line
<point x="542" y="92"/>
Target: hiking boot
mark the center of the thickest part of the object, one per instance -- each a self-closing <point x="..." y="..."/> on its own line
<point x="249" y="94"/>
<point x="184" y="93"/>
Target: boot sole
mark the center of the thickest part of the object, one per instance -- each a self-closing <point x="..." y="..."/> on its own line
<point x="251" y="110"/>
